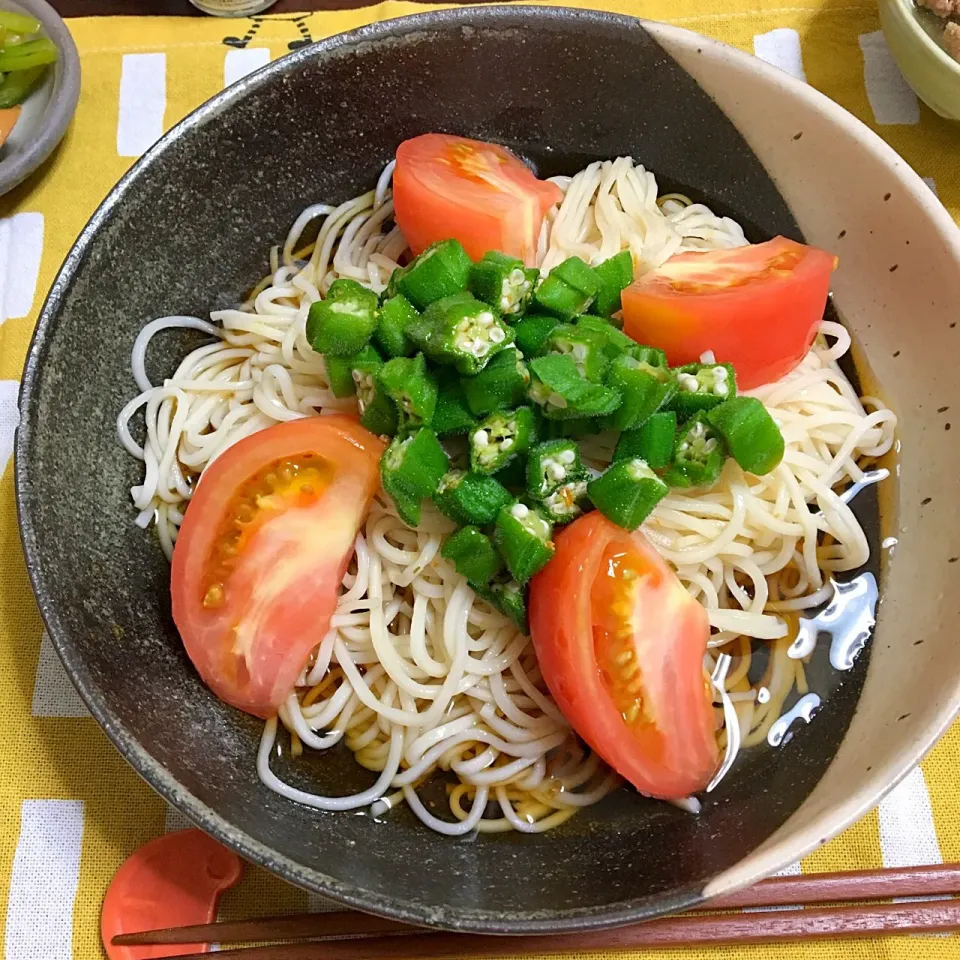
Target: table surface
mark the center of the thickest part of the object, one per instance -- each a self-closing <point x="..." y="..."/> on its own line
<point x="173" y="8"/>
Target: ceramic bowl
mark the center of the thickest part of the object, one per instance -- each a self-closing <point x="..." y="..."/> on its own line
<point x="187" y="231"/>
<point x="914" y="37"/>
<point x="48" y="109"/>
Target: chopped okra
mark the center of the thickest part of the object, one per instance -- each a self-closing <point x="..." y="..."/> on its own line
<point x="644" y="389"/>
<point x="473" y="554"/>
<point x="410" y="470"/>
<point x="567" y="501"/>
<point x="343" y="325"/>
<point x="702" y="386"/>
<point x="393" y="284"/>
<point x="652" y="442"/>
<point x="585" y="347"/>
<point x="549" y="428"/>
<point x="514" y="475"/>
<point x="408" y="383"/>
<point x="470" y="497"/>
<point x="750" y="434"/>
<point x="615" y="342"/>
<point x="460" y="331"/>
<point x="522" y="536"/>
<point x="651" y="356"/>
<point x="615" y="275"/>
<point x="340" y="370"/>
<point x="627" y="492"/>
<point x="532" y="333"/>
<point x="509" y="597"/>
<point x="452" y="416"/>
<point x="378" y="413"/>
<point x="500" y="385"/>
<point x="500" y="438"/>
<point x="562" y="394"/>
<point x="396" y="316"/>
<point x="698" y="455"/>
<point x="441" y="270"/>
<point x="568" y="289"/>
<point x="503" y="282"/>
<point x="551" y="464"/>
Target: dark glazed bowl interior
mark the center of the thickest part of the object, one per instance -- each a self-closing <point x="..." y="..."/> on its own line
<point x="188" y="231"/>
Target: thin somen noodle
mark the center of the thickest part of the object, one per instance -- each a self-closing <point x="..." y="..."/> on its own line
<point x="417" y="674"/>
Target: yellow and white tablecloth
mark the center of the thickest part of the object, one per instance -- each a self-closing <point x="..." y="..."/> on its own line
<point x="70" y="809"/>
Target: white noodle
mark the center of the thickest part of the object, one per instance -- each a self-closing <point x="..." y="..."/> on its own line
<point x="426" y="677"/>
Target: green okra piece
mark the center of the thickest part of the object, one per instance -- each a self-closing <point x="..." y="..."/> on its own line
<point x="500" y="438"/>
<point x="701" y="387"/>
<point x="500" y="385"/>
<point x="562" y="394"/>
<point x="503" y="282"/>
<point x="698" y="455"/>
<point x="409" y="384"/>
<point x="440" y="271"/>
<point x="410" y="470"/>
<point x="568" y="289"/>
<point x="750" y="434"/>
<point x="627" y="492"/>
<point x="470" y="498"/>
<point x="652" y="442"/>
<point x="473" y="554"/>
<point x="523" y="537"/>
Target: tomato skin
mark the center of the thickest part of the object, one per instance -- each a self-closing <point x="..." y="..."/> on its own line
<point x="674" y="755"/>
<point x="283" y="589"/>
<point x="763" y="323"/>
<point x="478" y="193"/>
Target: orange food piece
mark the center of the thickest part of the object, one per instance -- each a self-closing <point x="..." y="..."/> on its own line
<point x="8" y="119"/>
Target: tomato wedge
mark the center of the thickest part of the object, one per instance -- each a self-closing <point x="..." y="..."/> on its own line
<point x="478" y="193"/>
<point x="620" y="644"/>
<point x="262" y="550"/>
<point x="757" y="307"/>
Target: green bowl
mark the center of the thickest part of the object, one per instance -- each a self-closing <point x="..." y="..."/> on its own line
<point x="913" y="36"/>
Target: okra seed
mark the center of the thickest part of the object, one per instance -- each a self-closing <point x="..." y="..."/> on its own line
<point x="357" y="376"/>
<point x="721" y="389"/>
<point x="720" y="373"/>
<point x="557" y="401"/>
<point x="481" y="438"/>
<point x="507" y="443"/>
<point x="566" y="456"/>
<point x="519" y="511"/>
<point x="556" y="472"/>
<point x="497" y="335"/>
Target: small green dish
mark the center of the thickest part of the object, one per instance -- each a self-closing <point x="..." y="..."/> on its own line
<point x="913" y="36"/>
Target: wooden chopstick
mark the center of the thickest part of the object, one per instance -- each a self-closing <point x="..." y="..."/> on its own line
<point x="937" y="916"/>
<point x="939" y="880"/>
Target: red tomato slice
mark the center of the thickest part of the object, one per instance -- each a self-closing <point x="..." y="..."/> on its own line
<point x="478" y="193"/>
<point x="262" y="550"/>
<point x="620" y="644"/>
<point x="757" y="307"/>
